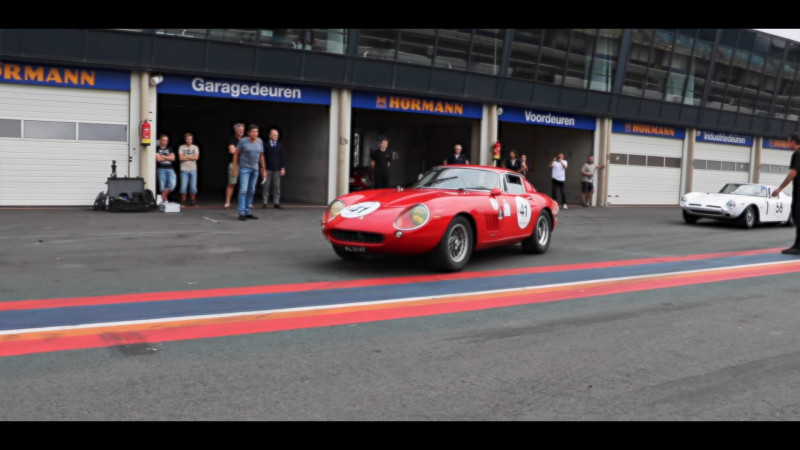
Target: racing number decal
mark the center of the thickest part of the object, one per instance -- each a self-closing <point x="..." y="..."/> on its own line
<point x="495" y="205"/>
<point x="359" y="210"/>
<point x="779" y="209"/>
<point x="523" y="212"/>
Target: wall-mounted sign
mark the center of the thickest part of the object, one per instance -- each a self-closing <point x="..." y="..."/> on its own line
<point x="778" y="144"/>
<point x="244" y="90"/>
<point x="419" y="105"/>
<point x="75" y="77"/>
<point x="723" y="138"/>
<point x="551" y="119"/>
<point x="647" y="129"/>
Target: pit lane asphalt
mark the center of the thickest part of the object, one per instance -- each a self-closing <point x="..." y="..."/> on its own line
<point x="727" y="350"/>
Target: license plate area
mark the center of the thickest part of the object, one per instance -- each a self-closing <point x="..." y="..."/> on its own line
<point x="351" y="249"/>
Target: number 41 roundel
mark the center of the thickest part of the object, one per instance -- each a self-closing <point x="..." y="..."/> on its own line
<point x="359" y="209"/>
<point x="523" y="212"/>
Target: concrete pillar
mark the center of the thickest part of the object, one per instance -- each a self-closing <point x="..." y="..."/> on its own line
<point x="755" y="160"/>
<point x="603" y="139"/>
<point x="333" y="145"/>
<point x="597" y="158"/>
<point x="151" y="179"/>
<point x="475" y="143"/>
<point x="491" y="132"/>
<point x="145" y="152"/>
<point x="687" y="161"/>
<point x="343" y="155"/>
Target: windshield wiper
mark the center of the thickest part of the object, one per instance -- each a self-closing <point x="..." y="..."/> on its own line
<point x="431" y="183"/>
<point x="474" y="188"/>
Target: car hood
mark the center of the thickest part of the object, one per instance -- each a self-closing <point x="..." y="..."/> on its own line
<point x="393" y="198"/>
<point x="712" y="199"/>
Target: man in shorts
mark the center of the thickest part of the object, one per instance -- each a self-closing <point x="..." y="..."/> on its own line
<point x="587" y="178"/>
<point x="238" y="134"/>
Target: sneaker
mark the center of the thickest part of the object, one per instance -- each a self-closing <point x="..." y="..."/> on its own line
<point x="183" y="203"/>
<point x="242" y="217"/>
<point x="791" y="251"/>
<point x="565" y="206"/>
<point x="250" y="216"/>
<point x="194" y="204"/>
<point x="278" y="207"/>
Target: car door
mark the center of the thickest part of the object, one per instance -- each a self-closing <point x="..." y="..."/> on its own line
<point x="517" y="208"/>
<point x="778" y="209"/>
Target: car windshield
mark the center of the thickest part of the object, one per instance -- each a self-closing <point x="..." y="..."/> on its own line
<point x="459" y="178"/>
<point x="744" y="189"/>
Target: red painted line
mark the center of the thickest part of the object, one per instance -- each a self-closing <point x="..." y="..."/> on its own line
<point x="22" y="347"/>
<point x="347" y="284"/>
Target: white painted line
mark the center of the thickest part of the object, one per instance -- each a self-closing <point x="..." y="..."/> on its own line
<point x="210" y="219"/>
<point x="377" y="302"/>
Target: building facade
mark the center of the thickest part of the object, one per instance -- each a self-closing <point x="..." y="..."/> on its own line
<point x="670" y="110"/>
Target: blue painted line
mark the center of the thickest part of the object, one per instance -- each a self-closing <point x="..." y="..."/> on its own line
<point x="38" y="318"/>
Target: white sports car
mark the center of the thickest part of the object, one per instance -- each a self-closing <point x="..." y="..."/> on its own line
<point x="744" y="203"/>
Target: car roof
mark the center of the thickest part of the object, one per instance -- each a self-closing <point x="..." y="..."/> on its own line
<point x="753" y="184"/>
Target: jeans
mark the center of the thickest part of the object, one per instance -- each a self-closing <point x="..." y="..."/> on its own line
<point x="380" y="181"/>
<point x="559" y="185"/>
<point x="189" y="181"/>
<point x="166" y="179"/>
<point x="273" y="183"/>
<point x="247" y="188"/>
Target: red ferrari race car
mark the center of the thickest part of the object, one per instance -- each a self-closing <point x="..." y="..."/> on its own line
<point x="450" y="212"/>
<point x="361" y="179"/>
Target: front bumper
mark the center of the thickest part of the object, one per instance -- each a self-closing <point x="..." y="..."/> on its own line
<point x="712" y="212"/>
<point x="379" y="226"/>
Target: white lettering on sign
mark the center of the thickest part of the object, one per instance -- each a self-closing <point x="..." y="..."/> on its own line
<point x="549" y="118"/>
<point x="237" y="89"/>
<point x="724" y="138"/>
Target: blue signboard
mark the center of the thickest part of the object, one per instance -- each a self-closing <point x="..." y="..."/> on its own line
<point x="244" y="90"/>
<point x="724" y="138"/>
<point x="777" y="144"/>
<point x="76" y="77"/>
<point x="404" y="103"/>
<point x="646" y="129"/>
<point x="551" y="119"/>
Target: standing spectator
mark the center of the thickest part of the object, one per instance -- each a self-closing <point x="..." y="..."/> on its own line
<point x="512" y="163"/>
<point x="794" y="168"/>
<point x="523" y="166"/>
<point x="587" y="176"/>
<point x="380" y="160"/>
<point x="188" y="154"/>
<point x="559" y="165"/>
<point x="249" y="155"/>
<point x="457" y="157"/>
<point x="165" y="156"/>
<point x="275" y="169"/>
<point x="238" y="134"/>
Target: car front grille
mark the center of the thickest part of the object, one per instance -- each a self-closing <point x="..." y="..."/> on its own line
<point x="706" y="212"/>
<point x="357" y="236"/>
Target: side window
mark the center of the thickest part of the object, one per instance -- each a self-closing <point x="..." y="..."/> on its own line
<point x="515" y="185"/>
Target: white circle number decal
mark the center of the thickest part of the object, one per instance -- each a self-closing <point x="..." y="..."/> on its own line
<point x="523" y="212"/>
<point x="495" y="205"/>
<point x="779" y="210"/>
<point x="359" y="209"/>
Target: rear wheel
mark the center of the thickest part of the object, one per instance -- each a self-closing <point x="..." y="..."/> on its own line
<point x="100" y="202"/>
<point x="347" y="256"/>
<point x="539" y="240"/>
<point x="748" y="218"/>
<point x="455" y="249"/>
<point x="690" y="219"/>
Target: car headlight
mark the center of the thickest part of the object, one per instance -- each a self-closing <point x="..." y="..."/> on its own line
<point x="333" y="210"/>
<point x="731" y="204"/>
<point x="684" y="200"/>
<point x="556" y="209"/>
<point x="352" y="180"/>
<point x="365" y="180"/>
<point x="412" y="218"/>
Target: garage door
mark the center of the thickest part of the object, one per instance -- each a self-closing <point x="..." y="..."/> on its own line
<point x="57" y="143"/>
<point x="720" y="158"/>
<point x="645" y="164"/>
<point x="775" y="166"/>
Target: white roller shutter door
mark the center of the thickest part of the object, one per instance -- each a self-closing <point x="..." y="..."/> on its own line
<point x="775" y="167"/>
<point x="718" y="164"/>
<point x="644" y="170"/>
<point x="64" y="140"/>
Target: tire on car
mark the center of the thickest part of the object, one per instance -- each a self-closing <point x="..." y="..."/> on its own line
<point x="539" y="240"/>
<point x="455" y="248"/>
<point x="99" y="202"/>
<point x="689" y="218"/>
<point x="748" y="218"/>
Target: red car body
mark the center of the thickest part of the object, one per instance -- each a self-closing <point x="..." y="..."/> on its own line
<point x="369" y="221"/>
<point x="361" y="179"/>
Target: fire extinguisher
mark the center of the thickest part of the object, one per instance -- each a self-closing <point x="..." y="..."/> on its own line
<point x="144" y="133"/>
<point x="496" y="151"/>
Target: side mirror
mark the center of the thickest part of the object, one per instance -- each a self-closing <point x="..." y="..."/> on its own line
<point x="496" y="192"/>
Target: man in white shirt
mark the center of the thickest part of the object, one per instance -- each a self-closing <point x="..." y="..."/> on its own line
<point x="559" y="166"/>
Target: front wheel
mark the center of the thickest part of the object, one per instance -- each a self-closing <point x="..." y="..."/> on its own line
<point x="690" y="219"/>
<point x="748" y="218"/>
<point x="539" y="240"/>
<point x="455" y="249"/>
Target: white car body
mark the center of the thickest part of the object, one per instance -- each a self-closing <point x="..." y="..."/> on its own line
<point x="756" y="198"/>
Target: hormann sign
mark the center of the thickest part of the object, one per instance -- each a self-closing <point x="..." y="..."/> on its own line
<point x="646" y="129"/>
<point x="724" y="138"/>
<point x="46" y="75"/>
<point x="778" y="144"/>
<point x="551" y="119"/>
<point x="402" y="103"/>
<point x="245" y="90"/>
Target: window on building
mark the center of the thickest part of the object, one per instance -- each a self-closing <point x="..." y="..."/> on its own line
<point x="658" y="66"/>
<point x="606" y="55"/>
<point x="637" y="160"/>
<point x="728" y="166"/>
<point x="619" y="158"/>
<point x="679" y="68"/>
<point x="769" y="81"/>
<point x="234" y="35"/>
<point x="452" y="48"/>
<point x="102" y="132"/>
<point x="487" y="51"/>
<point x="638" y="60"/>
<point x="199" y="33"/>
<point x="579" y="59"/>
<point x="328" y="40"/>
<point x="740" y="78"/>
<point x="524" y="53"/>
<point x="555" y="43"/>
<point x="714" y="165"/>
<point x="35" y="129"/>
<point x="378" y="43"/>
<point x="655" y="161"/>
<point x="672" y="162"/>
<point x="785" y="90"/>
<point x="416" y="46"/>
<point x="699" y="164"/>
<point x="10" y="128"/>
<point x="697" y="73"/>
<point x="743" y="167"/>
<point x="722" y="69"/>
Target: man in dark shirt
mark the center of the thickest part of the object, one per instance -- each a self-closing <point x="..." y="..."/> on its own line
<point x="380" y="160"/>
<point x="238" y="134"/>
<point x="165" y="156"/>
<point x="456" y="157"/>
<point x="794" y="167"/>
<point x="273" y="155"/>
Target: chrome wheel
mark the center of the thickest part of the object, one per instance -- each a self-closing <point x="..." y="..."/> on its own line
<point x="457" y="243"/>
<point x="749" y="217"/>
<point x="542" y="230"/>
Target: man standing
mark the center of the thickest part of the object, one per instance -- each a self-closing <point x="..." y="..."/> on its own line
<point x="275" y="169"/>
<point x="238" y="134"/>
<point x="249" y="155"/>
<point x="794" y="167"/>
<point x="380" y="160"/>
<point x="188" y="154"/>
<point x="456" y="157"/>
<point x="587" y="176"/>
<point x="559" y="165"/>
<point x="165" y="156"/>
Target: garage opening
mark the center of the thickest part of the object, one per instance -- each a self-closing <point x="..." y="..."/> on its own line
<point x="304" y="132"/>
<point x="418" y="139"/>
<point x="528" y="133"/>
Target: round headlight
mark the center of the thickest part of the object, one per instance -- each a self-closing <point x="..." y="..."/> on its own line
<point x="365" y="180"/>
<point x="731" y="204"/>
<point x="334" y="209"/>
<point x="412" y="218"/>
<point x="352" y="179"/>
<point x="684" y="199"/>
